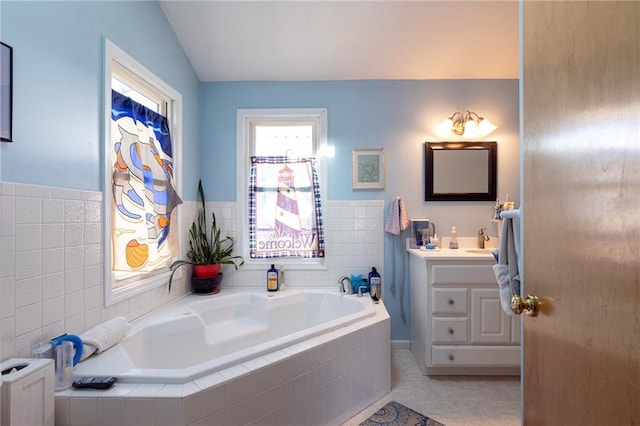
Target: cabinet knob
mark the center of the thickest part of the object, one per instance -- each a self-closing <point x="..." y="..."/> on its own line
<point x="451" y="301"/>
<point x="451" y="331"/>
<point x="451" y="357"/>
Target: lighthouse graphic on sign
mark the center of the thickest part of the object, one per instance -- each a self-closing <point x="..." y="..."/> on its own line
<point x="287" y="221"/>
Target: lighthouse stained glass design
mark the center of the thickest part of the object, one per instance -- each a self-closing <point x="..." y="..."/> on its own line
<point x="285" y="211"/>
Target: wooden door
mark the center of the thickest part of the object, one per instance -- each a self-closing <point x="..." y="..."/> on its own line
<point x="581" y="212"/>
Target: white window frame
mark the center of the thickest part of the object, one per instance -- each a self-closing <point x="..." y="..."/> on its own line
<point x="246" y="119"/>
<point x="114" y="55"/>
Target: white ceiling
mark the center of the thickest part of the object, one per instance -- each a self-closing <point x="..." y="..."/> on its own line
<point x="347" y="40"/>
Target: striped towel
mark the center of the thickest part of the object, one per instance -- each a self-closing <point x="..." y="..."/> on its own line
<point x="397" y="220"/>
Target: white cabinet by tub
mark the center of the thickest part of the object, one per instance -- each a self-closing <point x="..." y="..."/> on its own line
<point x="457" y="323"/>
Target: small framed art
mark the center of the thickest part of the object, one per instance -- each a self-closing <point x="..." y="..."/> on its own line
<point x="368" y="168"/>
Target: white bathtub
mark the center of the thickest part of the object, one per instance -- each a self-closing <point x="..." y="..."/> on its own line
<point x="199" y="335"/>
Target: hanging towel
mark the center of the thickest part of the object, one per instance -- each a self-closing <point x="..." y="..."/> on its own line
<point x="397" y="220"/>
<point x="103" y="336"/>
<point x="507" y="271"/>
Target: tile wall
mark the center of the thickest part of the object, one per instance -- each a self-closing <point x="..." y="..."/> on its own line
<point x="51" y="262"/>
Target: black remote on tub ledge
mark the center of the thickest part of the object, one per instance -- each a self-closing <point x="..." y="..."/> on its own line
<point x="94" y="383"/>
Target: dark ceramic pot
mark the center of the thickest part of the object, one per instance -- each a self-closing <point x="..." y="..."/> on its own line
<point x="206" y="285"/>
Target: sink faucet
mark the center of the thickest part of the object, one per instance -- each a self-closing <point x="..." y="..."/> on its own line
<point x="341" y="285"/>
<point x="482" y="237"/>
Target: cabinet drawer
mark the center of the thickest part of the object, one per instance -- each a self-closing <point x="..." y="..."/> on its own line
<point x="449" y="301"/>
<point x="463" y="274"/>
<point x="450" y="331"/>
<point x="476" y="356"/>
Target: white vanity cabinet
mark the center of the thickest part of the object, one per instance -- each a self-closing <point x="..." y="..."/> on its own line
<point x="457" y="323"/>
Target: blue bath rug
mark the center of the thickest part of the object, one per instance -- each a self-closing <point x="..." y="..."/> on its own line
<point x="396" y="414"/>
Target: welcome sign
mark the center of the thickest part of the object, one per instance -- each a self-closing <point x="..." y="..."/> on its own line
<point x="285" y="211"/>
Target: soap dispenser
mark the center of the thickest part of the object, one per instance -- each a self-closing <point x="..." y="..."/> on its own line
<point x="453" y="244"/>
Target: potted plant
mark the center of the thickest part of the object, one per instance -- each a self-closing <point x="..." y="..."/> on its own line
<point x="208" y="251"/>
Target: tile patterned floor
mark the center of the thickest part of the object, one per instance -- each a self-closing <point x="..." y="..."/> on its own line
<point x="452" y="400"/>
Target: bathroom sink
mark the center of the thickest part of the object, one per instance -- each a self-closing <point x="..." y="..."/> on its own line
<point x="480" y="251"/>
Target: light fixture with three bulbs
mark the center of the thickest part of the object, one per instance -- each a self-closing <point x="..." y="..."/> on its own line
<point x="467" y="125"/>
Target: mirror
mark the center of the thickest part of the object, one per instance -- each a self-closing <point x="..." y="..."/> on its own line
<point x="461" y="171"/>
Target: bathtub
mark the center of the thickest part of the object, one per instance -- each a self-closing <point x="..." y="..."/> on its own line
<point x="313" y="357"/>
<point x="198" y="335"/>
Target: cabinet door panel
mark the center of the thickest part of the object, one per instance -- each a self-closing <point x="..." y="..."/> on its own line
<point x="489" y="324"/>
<point x="449" y="301"/>
<point x="450" y="331"/>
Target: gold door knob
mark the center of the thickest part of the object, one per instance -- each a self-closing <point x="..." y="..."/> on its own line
<point x="528" y="305"/>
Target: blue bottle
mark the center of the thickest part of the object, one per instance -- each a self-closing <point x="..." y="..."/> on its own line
<point x="272" y="279"/>
<point x="374" y="277"/>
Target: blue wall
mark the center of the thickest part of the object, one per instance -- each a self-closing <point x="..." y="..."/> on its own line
<point x="397" y="115"/>
<point x="58" y="72"/>
<point x="58" y="84"/>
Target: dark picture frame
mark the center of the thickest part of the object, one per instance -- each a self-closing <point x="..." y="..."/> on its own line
<point x="461" y="171"/>
<point x="6" y="92"/>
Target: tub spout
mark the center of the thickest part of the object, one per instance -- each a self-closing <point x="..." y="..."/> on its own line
<point x="341" y="285"/>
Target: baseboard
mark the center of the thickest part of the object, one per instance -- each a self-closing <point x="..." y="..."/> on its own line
<point x="400" y="344"/>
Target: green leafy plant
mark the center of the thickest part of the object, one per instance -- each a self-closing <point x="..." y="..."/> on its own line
<point x="207" y="248"/>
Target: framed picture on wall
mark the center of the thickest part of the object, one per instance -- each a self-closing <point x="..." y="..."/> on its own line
<point x="6" y="92"/>
<point x="368" y="168"/>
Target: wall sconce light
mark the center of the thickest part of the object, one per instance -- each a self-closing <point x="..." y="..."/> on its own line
<point x="468" y="125"/>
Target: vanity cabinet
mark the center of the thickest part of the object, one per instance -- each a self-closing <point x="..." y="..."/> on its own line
<point x="457" y="322"/>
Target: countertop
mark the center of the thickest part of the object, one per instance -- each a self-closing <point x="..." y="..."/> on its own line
<point x="463" y="253"/>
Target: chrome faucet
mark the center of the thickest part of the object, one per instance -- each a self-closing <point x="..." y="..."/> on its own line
<point x="341" y="286"/>
<point x="360" y="293"/>
<point x="482" y="237"/>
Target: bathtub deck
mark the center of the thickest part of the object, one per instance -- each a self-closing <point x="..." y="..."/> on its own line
<point x="323" y="380"/>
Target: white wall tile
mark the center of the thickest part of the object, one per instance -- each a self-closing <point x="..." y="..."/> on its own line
<point x="52" y="285"/>
<point x="28" y="292"/>
<point x="92" y="254"/>
<point x="73" y="257"/>
<point x="167" y="412"/>
<point x="54" y="329"/>
<point x="83" y="411"/>
<point x="62" y="411"/>
<point x="28" y="318"/>
<point x="52" y="235"/>
<point x="28" y="237"/>
<point x="93" y="211"/>
<point x="91" y="317"/>
<point x="73" y="234"/>
<point x="53" y="310"/>
<point x="73" y="280"/>
<point x="74" y="304"/>
<point x="28" y="210"/>
<point x="67" y="194"/>
<point x="7" y="297"/>
<point x="52" y="261"/>
<point x="32" y="190"/>
<point x="52" y="210"/>
<point x="75" y="324"/>
<point x="7" y="337"/>
<point x="93" y="276"/>
<point x="73" y="211"/>
<point x="7" y="218"/>
<point x="139" y="411"/>
<point x="111" y="411"/>
<point x="28" y="264"/>
<point x="92" y="233"/>
<point x="92" y="297"/>
<point x="7" y="188"/>
<point x="6" y="256"/>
